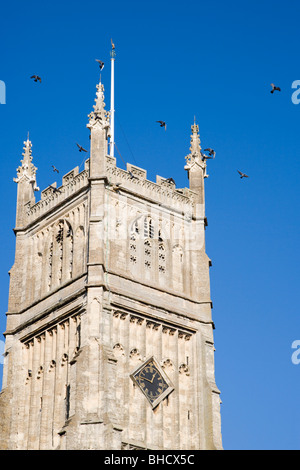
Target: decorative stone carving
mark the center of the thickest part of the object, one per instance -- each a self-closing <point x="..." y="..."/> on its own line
<point x="118" y="349"/>
<point x="184" y="369"/>
<point x="195" y="157"/>
<point x="27" y="170"/>
<point x="39" y="372"/>
<point x="64" y="359"/>
<point x="99" y="116"/>
<point x="167" y="364"/>
<point x="135" y="354"/>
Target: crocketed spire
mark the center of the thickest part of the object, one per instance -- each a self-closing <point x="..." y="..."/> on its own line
<point x="99" y="115"/>
<point x="195" y="147"/>
<point x="195" y="157"/>
<point x="27" y="170"/>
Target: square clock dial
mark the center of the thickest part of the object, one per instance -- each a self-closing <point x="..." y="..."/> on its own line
<point x="152" y="381"/>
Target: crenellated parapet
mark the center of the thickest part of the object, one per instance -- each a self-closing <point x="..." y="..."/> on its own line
<point x="51" y="197"/>
<point x="134" y="180"/>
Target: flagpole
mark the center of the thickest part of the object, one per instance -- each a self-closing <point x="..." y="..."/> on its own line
<point x="112" y="103"/>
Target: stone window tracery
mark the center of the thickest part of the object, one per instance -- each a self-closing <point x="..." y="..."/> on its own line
<point x="161" y="258"/>
<point x="147" y="248"/>
<point x="148" y="228"/>
<point x="60" y="254"/>
<point x="147" y="253"/>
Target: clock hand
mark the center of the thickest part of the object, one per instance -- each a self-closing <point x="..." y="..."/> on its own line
<point x="144" y="378"/>
<point x="153" y="377"/>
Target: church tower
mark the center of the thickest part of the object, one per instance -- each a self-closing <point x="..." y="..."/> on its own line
<point x="109" y="337"/>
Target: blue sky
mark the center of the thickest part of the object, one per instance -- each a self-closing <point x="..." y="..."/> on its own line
<point x="175" y="60"/>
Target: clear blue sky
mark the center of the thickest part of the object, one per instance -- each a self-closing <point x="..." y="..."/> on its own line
<point x="215" y="60"/>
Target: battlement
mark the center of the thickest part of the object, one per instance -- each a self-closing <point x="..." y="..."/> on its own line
<point x="163" y="192"/>
<point x="132" y="180"/>
<point x="72" y="182"/>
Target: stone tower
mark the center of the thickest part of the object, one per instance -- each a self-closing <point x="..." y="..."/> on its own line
<point x="109" y="338"/>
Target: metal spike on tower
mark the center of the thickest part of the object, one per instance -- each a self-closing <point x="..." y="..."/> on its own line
<point x="112" y="101"/>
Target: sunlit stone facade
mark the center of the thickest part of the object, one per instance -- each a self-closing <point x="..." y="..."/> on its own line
<point x="110" y="270"/>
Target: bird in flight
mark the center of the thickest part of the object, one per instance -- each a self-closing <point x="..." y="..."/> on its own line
<point x="81" y="149"/>
<point x="205" y="157"/>
<point x="101" y="64"/>
<point x="55" y="190"/>
<point x="242" y="175"/>
<point x="55" y="169"/>
<point x="132" y="176"/>
<point x="170" y="180"/>
<point x="162" y="124"/>
<point x="112" y="44"/>
<point x="274" y="88"/>
<point x="211" y="152"/>
<point x="36" y="78"/>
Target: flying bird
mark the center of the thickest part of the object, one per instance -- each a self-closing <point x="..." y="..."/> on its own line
<point x="101" y="64"/>
<point x="170" y="180"/>
<point x="112" y="44"/>
<point x="275" y="88"/>
<point x="211" y="152"/>
<point x="55" y="190"/>
<point x="55" y="169"/>
<point x="206" y="157"/>
<point x="243" y="175"/>
<point x="36" y="78"/>
<point x="81" y="149"/>
<point x="131" y="175"/>
<point x="162" y="124"/>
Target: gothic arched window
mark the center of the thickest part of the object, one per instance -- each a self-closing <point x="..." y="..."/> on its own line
<point x="148" y="228"/>
<point x="60" y="254"/>
<point x="147" y="249"/>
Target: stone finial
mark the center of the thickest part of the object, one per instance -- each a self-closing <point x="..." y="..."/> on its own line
<point x="99" y="115"/>
<point x="27" y="170"/>
<point x="195" y="157"/>
<point x="195" y="147"/>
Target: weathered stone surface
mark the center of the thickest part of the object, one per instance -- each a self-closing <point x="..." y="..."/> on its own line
<point x="110" y="270"/>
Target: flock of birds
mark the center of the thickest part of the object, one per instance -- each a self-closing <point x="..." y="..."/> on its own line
<point x="211" y="152"/>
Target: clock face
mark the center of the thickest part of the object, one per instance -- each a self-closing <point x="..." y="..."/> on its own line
<point x="152" y="381"/>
